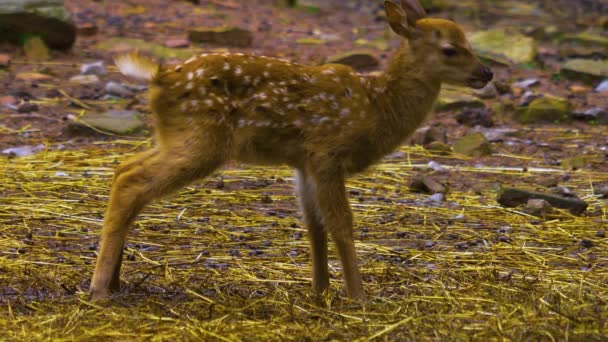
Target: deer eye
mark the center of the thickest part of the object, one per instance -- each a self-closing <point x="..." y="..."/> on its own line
<point x="449" y="51"/>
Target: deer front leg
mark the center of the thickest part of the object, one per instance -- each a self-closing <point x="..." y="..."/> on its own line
<point x="338" y="219"/>
<point x="155" y="175"/>
<point x="316" y="232"/>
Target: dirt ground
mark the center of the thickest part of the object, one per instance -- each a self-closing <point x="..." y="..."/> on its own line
<point x="227" y="258"/>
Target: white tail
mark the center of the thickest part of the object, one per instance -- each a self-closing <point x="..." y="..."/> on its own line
<point x="133" y="65"/>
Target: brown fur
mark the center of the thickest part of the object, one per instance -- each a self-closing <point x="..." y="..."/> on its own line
<point x="326" y="122"/>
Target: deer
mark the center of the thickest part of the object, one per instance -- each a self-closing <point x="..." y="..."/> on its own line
<point x="327" y="122"/>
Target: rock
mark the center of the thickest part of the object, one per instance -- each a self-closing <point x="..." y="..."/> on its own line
<point x="451" y="98"/>
<point x="84" y="79"/>
<point x="433" y="165"/>
<point x="513" y="197"/>
<point x="601" y="88"/>
<point x="8" y="100"/>
<point x="586" y="243"/>
<point x="563" y="191"/>
<point x="538" y="207"/>
<point x="574" y="163"/>
<point x="225" y="36"/>
<point x="527" y="83"/>
<point x="5" y="60"/>
<point x="487" y="92"/>
<point x="550" y="181"/>
<point x="117" y="89"/>
<point x="545" y="109"/>
<point x="27" y="107"/>
<point x="22" y="151"/>
<point x="45" y="18"/>
<point x="439" y="148"/>
<point x="435" y="198"/>
<point x="527" y="98"/>
<point x="114" y="121"/>
<point x="177" y="43"/>
<point x="596" y="114"/>
<point x="589" y="39"/>
<point x="311" y="41"/>
<point x="308" y="6"/>
<point x="36" y="50"/>
<point x="93" y="68"/>
<point x="426" y="184"/>
<point x="359" y="60"/>
<point x="498" y="44"/>
<point x="32" y="77"/>
<point x="601" y="189"/>
<point x="121" y="45"/>
<point x="428" y="134"/>
<point x="475" y="117"/>
<point x="586" y="70"/>
<point x="86" y="29"/>
<point x="473" y="145"/>
<point x="497" y="134"/>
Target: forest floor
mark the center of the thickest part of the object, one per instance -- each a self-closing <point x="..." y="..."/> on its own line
<point x="227" y="258"/>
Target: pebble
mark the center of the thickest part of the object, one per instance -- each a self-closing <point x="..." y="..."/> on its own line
<point x="27" y="107"/>
<point x="22" y="151"/>
<point x="93" y="68"/>
<point x="602" y="87"/>
<point x="527" y="83"/>
<point x="117" y="89"/>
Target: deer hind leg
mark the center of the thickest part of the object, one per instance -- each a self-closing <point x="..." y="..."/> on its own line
<point x="151" y="177"/>
<point x="317" y="234"/>
<point x="332" y="201"/>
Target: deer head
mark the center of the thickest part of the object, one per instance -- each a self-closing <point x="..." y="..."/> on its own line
<point x="440" y="43"/>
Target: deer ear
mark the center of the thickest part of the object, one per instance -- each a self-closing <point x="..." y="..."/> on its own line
<point x="397" y="19"/>
<point x="414" y="11"/>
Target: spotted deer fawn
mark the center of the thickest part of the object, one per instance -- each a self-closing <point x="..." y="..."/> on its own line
<point x="327" y="122"/>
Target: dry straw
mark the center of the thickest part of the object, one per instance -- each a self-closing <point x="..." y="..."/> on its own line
<point x="227" y="259"/>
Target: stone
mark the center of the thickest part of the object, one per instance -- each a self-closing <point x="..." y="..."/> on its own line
<point x="8" y="100"/>
<point x="5" y="60"/>
<point x="586" y="70"/>
<point x="84" y="79"/>
<point x="225" y="36"/>
<point x="596" y="114"/>
<point x="488" y="92"/>
<point x="45" y="18"/>
<point x="538" y="207"/>
<point x="23" y="151"/>
<point x="574" y="163"/>
<point x="527" y="98"/>
<point x="177" y="43"/>
<point x="93" y="68"/>
<point x="426" y="184"/>
<point x="114" y="121"/>
<point x="473" y="145"/>
<point x="27" y="107"/>
<point x="451" y="98"/>
<point x="601" y="190"/>
<point x="513" y="197"/>
<point x="545" y="109"/>
<point x="359" y="60"/>
<point x="475" y="117"/>
<point x="602" y="87"/>
<point x="439" y="148"/>
<point x="121" y="45"/>
<point x="311" y="41"/>
<point x="526" y="83"/>
<point x="117" y="89"/>
<point x="497" y="134"/>
<point x="35" y="49"/>
<point x="32" y="77"/>
<point x="428" y="134"/>
<point x="500" y="44"/>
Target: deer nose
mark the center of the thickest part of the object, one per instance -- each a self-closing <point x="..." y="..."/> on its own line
<point x="486" y="73"/>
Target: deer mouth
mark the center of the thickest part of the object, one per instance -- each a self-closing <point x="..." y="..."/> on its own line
<point x="477" y="83"/>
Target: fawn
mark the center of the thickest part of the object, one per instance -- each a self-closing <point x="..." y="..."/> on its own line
<point x="327" y="122"/>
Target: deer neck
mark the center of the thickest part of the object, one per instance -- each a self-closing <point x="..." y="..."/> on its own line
<point x="407" y="91"/>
